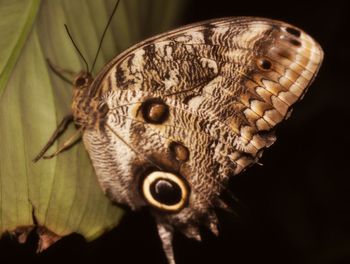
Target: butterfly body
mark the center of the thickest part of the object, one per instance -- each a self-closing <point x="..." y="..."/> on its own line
<point x="170" y="120"/>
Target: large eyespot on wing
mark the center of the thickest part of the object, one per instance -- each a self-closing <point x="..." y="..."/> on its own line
<point x="165" y="191"/>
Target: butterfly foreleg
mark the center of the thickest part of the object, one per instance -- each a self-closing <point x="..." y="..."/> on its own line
<point x="71" y="141"/>
<point x="58" y="132"/>
<point x="62" y="72"/>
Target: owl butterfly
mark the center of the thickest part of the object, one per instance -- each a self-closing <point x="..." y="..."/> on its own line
<point x="167" y="122"/>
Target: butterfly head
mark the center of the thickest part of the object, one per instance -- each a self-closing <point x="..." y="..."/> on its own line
<point x="81" y="100"/>
<point x="82" y="80"/>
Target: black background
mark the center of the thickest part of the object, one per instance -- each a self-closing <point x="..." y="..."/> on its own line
<point x="294" y="208"/>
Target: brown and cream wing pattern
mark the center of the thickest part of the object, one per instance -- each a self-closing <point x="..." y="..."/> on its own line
<point x="227" y="81"/>
<point x="185" y="110"/>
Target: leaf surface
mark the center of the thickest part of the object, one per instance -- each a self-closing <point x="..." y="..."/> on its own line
<point x="62" y="193"/>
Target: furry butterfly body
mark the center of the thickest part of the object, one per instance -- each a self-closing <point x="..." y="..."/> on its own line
<point x="170" y="120"/>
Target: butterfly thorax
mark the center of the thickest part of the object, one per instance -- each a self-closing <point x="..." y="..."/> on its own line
<point x="82" y="105"/>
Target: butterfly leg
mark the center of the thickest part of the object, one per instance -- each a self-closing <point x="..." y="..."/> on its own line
<point x="72" y="140"/>
<point x="61" y="72"/>
<point x="58" y="132"/>
<point x="166" y="236"/>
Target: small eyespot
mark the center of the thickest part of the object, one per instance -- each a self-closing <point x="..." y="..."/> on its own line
<point x="264" y="64"/>
<point x="165" y="191"/>
<point x="179" y="151"/>
<point x="295" y="42"/>
<point x="154" y="111"/>
<point x="293" y="31"/>
<point x="292" y="41"/>
<point x="285" y="53"/>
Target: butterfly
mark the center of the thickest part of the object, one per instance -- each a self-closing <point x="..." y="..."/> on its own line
<point x="170" y="120"/>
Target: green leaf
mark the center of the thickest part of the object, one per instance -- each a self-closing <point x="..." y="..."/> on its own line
<point x="62" y="193"/>
<point x="17" y="18"/>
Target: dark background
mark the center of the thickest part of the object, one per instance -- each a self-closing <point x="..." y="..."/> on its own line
<point x="295" y="208"/>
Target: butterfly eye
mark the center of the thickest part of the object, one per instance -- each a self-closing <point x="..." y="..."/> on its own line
<point x="155" y="111"/>
<point x="82" y="80"/>
<point x="165" y="191"/>
<point x="79" y="82"/>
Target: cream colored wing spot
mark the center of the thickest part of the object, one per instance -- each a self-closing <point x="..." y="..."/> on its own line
<point x="260" y="108"/>
<point x="281" y="93"/>
<point x="269" y="91"/>
<point x="280" y="105"/>
<point x="254" y="117"/>
<point x="261" y="124"/>
<point x="241" y="160"/>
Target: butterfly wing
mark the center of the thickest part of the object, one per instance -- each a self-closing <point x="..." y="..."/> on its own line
<point x="200" y="102"/>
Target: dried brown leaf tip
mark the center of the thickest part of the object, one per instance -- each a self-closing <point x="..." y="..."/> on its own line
<point x="22" y="233"/>
<point x="46" y="238"/>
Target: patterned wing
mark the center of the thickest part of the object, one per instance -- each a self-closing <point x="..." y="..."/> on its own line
<point x="200" y="102"/>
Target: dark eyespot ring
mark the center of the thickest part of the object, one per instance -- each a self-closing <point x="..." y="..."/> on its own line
<point x="264" y="64"/>
<point x="155" y="111"/>
<point x="165" y="191"/>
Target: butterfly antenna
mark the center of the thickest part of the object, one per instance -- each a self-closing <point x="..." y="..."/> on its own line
<point x="76" y="48"/>
<point x="104" y="33"/>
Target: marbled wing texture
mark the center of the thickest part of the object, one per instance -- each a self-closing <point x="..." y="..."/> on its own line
<point x="227" y="84"/>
